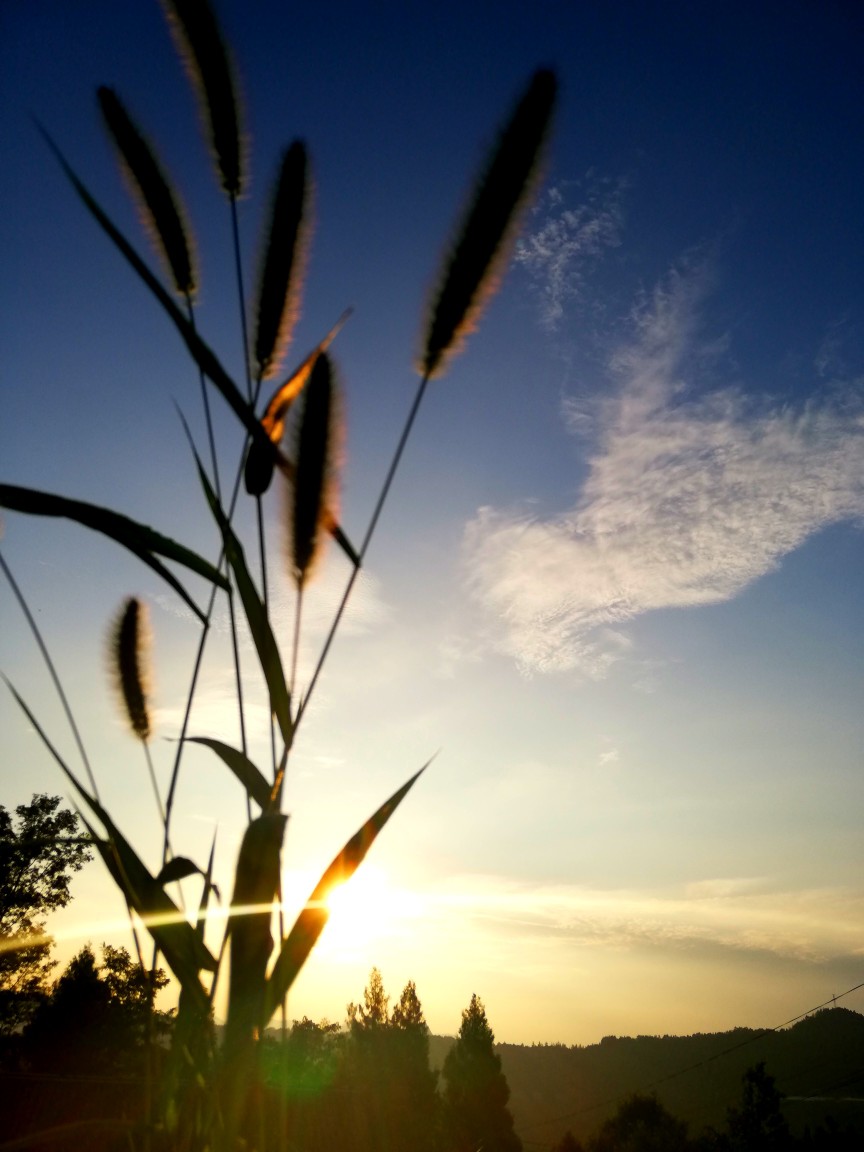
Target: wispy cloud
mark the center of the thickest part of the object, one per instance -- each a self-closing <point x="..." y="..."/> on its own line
<point x="567" y="240"/>
<point x="747" y="914"/>
<point x="689" y="498"/>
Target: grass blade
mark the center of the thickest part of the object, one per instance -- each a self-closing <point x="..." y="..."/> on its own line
<point x="310" y="923"/>
<point x="157" y="203"/>
<point x="471" y="274"/>
<point x="203" y="355"/>
<point x="178" y="869"/>
<point x="256" y="616"/>
<point x="284" y="264"/>
<point x="249" y="776"/>
<point x="140" y="539"/>
<point x="256" y="884"/>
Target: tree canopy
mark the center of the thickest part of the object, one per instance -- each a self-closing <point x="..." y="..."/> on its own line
<point x="41" y="847"/>
<point x="476" y="1090"/>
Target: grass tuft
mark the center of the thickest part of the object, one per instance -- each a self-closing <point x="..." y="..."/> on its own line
<point x="160" y="210"/>
<point x="473" y="271"/>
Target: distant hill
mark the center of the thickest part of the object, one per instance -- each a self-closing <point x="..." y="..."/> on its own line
<point x="818" y="1064"/>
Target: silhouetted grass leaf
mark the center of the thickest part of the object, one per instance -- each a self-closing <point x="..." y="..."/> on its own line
<point x="263" y="456"/>
<point x="256" y="884"/>
<point x="203" y="356"/>
<point x="138" y="538"/>
<point x="245" y="771"/>
<point x="310" y="923"/>
<point x="256" y="616"/>
<point x="178" y="869"/>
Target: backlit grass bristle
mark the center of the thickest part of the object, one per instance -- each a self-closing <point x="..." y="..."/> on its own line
<point x="205" y="54"/>
<point x="130" y="644"/>
<point x="157" y="203"/>
<point x="315" y="487"/>
<point x="473" y="270"/>
<point x="283" y="265"/>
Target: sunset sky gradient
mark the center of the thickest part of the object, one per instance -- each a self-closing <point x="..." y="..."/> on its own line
<point x="618" y="586"/>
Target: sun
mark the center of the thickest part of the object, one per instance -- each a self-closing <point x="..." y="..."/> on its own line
<point x="364" y="909"/>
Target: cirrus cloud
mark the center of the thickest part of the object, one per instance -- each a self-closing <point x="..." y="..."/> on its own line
<point x="689" y="498"/>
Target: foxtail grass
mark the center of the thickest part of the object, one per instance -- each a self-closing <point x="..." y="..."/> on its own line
<point x="472" y="273"/>
<point x="130" y="651"/>
<point x="204" y="52"/>
<point x="160" y="209"/>
<point x="284" y="261"/>
<point x="298" y="435"/>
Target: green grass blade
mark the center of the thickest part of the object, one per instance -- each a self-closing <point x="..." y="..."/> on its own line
<point x="310" y="923"/>
<point x="256" y="617"/>
<point x="246" y="772"/>
<point x="140" y="539"/>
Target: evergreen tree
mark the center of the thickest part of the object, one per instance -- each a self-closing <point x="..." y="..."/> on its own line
<point x="758" y="1123"/>
<point x="475" y="1089"/>
<point x="414" y="1090"/>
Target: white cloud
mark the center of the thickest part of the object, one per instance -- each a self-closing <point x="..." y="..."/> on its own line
<point x="688" y="499"/>
<point x="557" y="252"/>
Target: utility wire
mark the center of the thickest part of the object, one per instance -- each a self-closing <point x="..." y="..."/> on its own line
<point x="691" y="1067"/>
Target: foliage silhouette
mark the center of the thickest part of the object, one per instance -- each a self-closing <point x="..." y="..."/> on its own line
<point x="476" y="1090"/>
<point x="40" y="849"/>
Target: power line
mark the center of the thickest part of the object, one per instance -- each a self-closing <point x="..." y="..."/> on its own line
<point x="690" y="1067"/>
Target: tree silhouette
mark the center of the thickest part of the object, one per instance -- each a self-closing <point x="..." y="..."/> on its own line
<point x="475" y="1089"/>
<point x="96" y="1018"/>
<point x="414" y="1092"/>
<point x="641" y="1124"/>
<point x="40" y="848"/>
<point x="758" y="1122"/>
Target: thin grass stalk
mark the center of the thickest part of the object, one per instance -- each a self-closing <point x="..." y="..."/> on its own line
<point x="52" y="671"/>
<point x="295" y="645"/>
<point x="205" y="399"/>
<point x="388" y="481"/>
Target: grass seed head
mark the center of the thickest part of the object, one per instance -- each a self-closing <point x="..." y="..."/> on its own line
<point x="130" y="646"/>
<point x="204" y="52"/>
<point x="315" y="488"/>
<point x="283" y="266"/>
<point x="471" y="274"/>
<point x="157" y="203"/>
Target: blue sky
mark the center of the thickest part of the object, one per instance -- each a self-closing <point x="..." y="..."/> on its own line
<point x="617" y="583"/>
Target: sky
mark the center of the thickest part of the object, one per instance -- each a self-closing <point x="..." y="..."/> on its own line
<point x="616" y="589"/>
